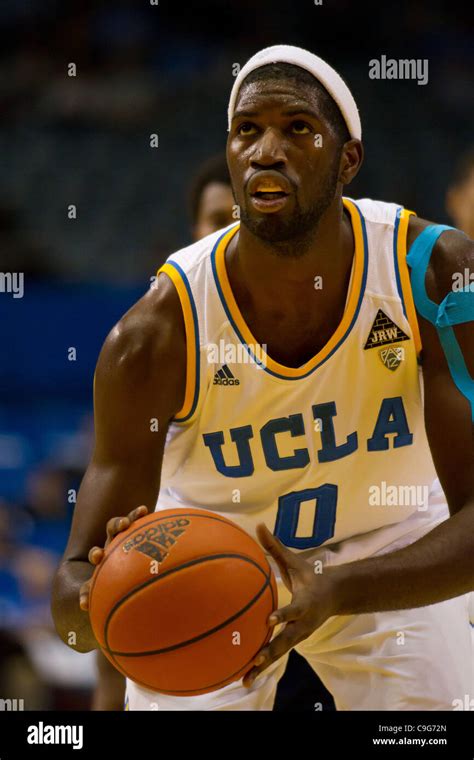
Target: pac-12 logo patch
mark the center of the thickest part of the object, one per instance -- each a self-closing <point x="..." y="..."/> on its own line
<point x="384" y="331"/>
<point x="392" y="357"/>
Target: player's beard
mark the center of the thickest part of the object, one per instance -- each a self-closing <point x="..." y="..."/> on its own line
<point x="293" y="236"/>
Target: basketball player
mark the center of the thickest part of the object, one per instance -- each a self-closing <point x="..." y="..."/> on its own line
<point x="211" y="199"/>
<point x="339" y="326"/>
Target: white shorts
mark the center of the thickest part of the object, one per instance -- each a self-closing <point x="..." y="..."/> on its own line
<point x="416" y="659"/>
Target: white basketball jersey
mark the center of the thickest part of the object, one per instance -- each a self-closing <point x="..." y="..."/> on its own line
<point x="321" y="453"/>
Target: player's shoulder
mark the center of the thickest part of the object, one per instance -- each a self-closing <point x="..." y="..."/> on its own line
<point x="143" y="359"/>
<point x="192" y="256"/>
<point x="149" y="336"/>
<point x="152" y="333"/>
<point x="377" y="212"/>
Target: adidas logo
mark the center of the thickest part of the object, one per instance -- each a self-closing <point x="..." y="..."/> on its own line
<point x="224" y="376"/>
<point x="384" y="331"/>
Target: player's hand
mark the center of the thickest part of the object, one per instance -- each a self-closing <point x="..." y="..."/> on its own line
<point x="96" y="554"/>
<point x="312" y="603"/>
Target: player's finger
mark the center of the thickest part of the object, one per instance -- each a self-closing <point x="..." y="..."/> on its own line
<point x="272" y="544"/>
<point x="84" y="596"/>
<point x="135" y="514"/>
<point x="293" y="611"/>
<point x="280" y="645"/>
<point x="279" y="554"/>
<point x="116" y="525"/>
<point x="96" y="555"/>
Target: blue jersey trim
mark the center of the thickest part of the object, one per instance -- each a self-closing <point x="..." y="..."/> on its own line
<point x="395" y="259"/>
<point x="196" y="341"/>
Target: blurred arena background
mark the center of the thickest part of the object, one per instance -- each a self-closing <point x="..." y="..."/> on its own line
<point x="84" y="140"/>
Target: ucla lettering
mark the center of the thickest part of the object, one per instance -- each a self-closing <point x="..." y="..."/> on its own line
<point x="240" y="436"/>
<point x="391" y="421"/>
<point x="293" y="424"/>
<point x="330" y="450"/>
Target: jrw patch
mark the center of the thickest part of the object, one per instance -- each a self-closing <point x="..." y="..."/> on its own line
<point x="384" y="331"/>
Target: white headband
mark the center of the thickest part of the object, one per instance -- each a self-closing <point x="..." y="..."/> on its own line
<point x="321" y="70"/>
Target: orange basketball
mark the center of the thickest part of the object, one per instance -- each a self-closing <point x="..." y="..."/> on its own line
<point x="181" y="600"/>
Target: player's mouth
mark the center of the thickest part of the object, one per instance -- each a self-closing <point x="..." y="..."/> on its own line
<point x="269" y="191"/>
<point x="269" y="200"/>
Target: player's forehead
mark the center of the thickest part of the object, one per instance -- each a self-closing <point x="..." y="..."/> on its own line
<point x="287" y="93"/>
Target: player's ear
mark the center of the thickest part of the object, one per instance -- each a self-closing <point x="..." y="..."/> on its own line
<point x="352" y="156"/>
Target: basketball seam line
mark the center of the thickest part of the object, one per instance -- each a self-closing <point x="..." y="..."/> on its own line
<point x="201" y="636"/>
<point x="214" y="686"/>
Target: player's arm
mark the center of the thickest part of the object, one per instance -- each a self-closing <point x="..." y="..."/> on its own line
<point x="140" y="379"/>
<point x="441" y="564"/>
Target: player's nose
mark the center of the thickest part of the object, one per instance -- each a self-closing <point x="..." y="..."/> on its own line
<point x="269" y="151"/>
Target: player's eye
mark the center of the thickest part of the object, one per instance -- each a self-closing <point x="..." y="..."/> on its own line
<point x="300" y="128"/>
<point x="246" y="129"/>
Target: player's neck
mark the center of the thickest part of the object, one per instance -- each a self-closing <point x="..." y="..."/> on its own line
<point x="271" y="277"/>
